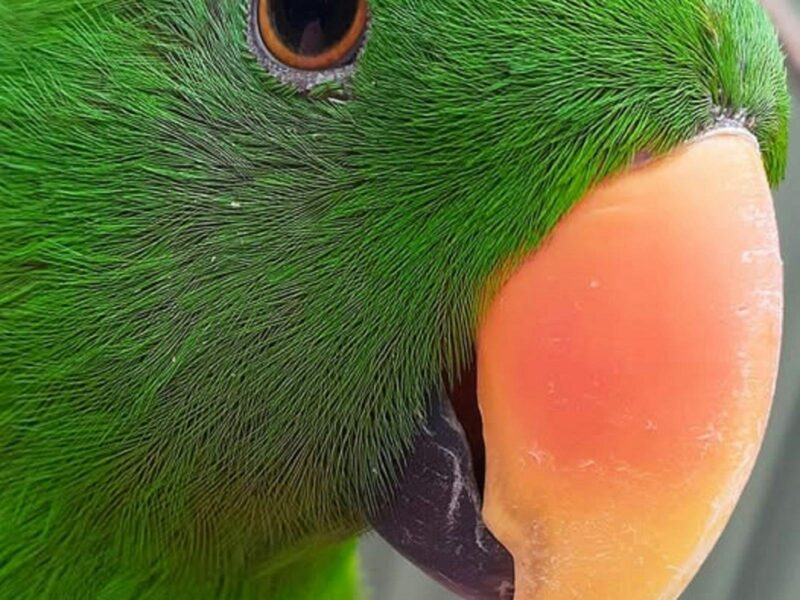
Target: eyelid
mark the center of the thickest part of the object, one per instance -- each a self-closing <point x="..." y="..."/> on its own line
<point x="303" y="79"/>
<point x="332" y="57"/>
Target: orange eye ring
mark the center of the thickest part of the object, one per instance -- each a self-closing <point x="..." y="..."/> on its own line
<point x="329" y="57"/>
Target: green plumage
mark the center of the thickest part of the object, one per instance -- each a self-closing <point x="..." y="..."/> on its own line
<point x="221" y="301"/>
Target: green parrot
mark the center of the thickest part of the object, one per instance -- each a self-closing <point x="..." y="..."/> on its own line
<point x="247" y="248"/>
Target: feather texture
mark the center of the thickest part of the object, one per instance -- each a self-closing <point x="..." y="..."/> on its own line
<point x="221" y="302"/>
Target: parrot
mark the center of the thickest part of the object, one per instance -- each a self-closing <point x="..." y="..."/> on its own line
<point x="498" y="280"/>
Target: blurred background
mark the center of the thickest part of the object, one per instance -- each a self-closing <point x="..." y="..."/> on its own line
<point x="758" y="556"/>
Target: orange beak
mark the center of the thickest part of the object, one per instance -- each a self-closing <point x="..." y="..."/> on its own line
<point x="625" y="376"/>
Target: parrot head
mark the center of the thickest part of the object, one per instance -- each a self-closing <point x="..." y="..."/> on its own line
<point x="500" y="279"/>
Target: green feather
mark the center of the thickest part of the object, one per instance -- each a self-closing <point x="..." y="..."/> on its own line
<point x="222" y="302"/>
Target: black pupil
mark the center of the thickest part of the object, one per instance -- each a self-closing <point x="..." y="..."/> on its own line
<point x="310" y="27"/>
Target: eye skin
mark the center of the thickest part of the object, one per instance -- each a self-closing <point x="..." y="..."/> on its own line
<point x="311" y="35"/>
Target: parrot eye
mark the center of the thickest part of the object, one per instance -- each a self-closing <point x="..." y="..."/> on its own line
<point x="305" y="42"/>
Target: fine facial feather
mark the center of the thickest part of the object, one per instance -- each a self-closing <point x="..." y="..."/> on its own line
<point x="221" y="301"/>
